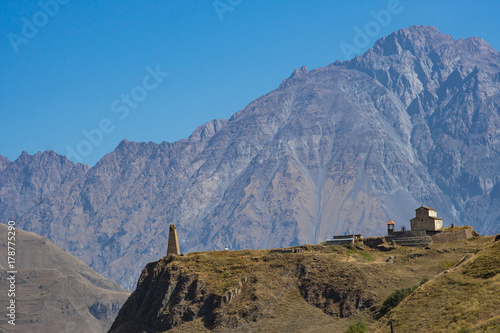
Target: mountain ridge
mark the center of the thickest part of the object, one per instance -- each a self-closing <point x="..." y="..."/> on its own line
<point x="340" y="148"/>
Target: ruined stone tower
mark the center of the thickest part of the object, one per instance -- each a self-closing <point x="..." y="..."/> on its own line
<point x="173" y="242"/>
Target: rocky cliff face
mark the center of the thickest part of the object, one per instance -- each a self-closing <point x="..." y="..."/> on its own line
<point x="346" y="147"/>
<point x="230" y="290"/>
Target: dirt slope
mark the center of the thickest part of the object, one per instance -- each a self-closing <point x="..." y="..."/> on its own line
<point x="55" y="292"/>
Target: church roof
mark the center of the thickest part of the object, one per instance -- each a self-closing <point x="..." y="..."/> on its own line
<point x="390" y="222"/>
<point x="427" y="208"/>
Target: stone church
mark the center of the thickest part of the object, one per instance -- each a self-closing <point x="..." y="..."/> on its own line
<point x="426" y="229"/>
<point x="426" y="220"/>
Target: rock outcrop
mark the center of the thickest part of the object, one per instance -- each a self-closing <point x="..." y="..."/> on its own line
<point x="229" y="290"/>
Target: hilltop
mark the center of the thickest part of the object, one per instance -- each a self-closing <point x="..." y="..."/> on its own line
<point x="55" y="292"/>
<point x="323" y="289"/>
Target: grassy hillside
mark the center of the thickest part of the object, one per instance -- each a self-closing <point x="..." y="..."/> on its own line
<point x="465" y="298"/>
<point x="324" y="289"/>
<point x="55" y="292"/>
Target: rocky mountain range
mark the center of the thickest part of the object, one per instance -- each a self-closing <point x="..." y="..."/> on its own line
<point x="414" y="121"/>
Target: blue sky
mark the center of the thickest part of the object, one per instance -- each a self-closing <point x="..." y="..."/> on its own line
<point x="80" y="76"/>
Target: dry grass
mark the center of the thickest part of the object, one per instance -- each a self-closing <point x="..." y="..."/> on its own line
<point x="282" y="308"/>
<point x="487" y="263"/>
<point x="447" y="264"/>
<point x="465" y="298"/>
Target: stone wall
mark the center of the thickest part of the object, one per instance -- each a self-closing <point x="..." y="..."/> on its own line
<point x="373" y="242"/>
<point x="426" y="224"/>
<point x="421" y="241"/>
<point x="421" y="238"/>
<point x="340" y="241"/>
<point x="403" y="238"/>
<point x="413" y="233"/>
<point x="453" y="235"/>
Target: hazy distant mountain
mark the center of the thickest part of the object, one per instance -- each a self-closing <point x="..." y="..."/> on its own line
<point x="413" y="121"/>
<point x="55" y="292"/>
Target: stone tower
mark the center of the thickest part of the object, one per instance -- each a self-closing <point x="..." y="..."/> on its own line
<point x="390" y="227"/>
<point x="173" y="242"/>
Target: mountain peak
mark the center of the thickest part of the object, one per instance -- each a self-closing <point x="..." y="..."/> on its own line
<point x="476" y="45"/>
<point x="416" y="39"/>
<point x="420" y="40"/>
<point x="207" y="130"/>
<point x="299" y="72"/>
<point x="124" y="144"/>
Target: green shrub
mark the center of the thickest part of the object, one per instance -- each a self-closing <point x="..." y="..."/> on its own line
<point x="463" y="330"/>
<point x="359" y="327"/>
<point x="395" y="298"/>
<point x="365" y="255"/>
